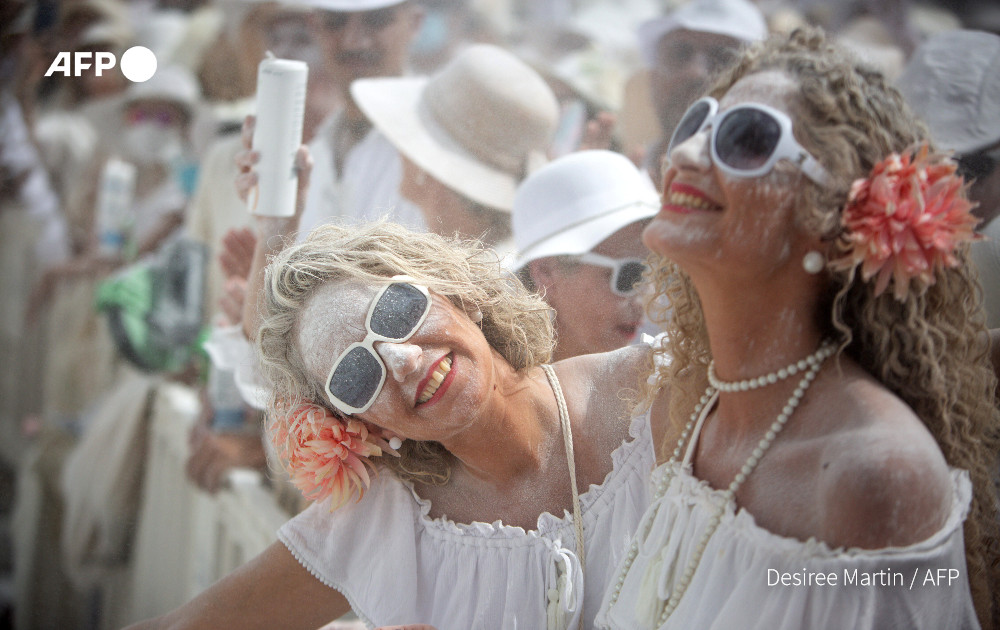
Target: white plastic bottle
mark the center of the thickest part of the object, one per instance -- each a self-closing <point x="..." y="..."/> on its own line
<point x="281" y="95"/>
<point x="114" y="205"/>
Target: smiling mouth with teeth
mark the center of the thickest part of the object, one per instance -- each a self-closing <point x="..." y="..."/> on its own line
<point x="686" y="200"/>
<point x="435" y="380"/>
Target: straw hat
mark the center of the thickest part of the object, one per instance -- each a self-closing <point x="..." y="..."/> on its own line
<point x="573" y="203"/>
<point x="477" y="126"/>
<point x="952" y="83"/>
<point x="739" y="19"/>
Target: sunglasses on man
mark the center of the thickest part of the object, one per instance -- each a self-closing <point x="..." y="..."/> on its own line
<point x="625" y="272"/>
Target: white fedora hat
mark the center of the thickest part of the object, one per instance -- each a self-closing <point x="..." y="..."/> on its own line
<point x="573" y="203"/>
<point x="345" y="5"/>
<point x="477" y="126"/>
<point x="739" y="19"/>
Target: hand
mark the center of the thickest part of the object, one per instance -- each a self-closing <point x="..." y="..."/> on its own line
<point x="599" y="132"/>
<point x="246" y="160"/>
<point x="237" y="253"/>
<point x="213" y="455"/>
<point x="232" y="301"/>
<point x="247" y="178"/>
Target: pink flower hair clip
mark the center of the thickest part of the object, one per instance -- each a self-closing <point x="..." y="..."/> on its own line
<point x="906" y="220"/>
<point x="326" y="455"/>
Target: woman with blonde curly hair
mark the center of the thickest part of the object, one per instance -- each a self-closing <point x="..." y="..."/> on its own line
<point x="497" y="498"/>
<point x="826" y="418"/>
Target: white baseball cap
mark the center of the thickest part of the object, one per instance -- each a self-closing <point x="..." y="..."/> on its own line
<point x="739" y="19"/>
<point x="347" y="5"/>
<point x="570" y="205"/>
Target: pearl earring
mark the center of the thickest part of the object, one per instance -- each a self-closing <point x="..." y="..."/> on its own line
<point x="476" y="316"/>
<point x="395" y="442"/>
<point x="813" y="262"/>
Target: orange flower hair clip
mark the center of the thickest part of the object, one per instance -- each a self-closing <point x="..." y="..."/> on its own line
<point x="905" y="220"/>
<point x="326" y="455"/>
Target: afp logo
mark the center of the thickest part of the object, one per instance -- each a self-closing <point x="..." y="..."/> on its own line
<point x="138" y="63"/>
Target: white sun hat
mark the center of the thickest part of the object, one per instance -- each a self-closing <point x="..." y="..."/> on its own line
<point x="739" y="19"/>
<point x="172" y="83"/>
<point x="479" y="125"/>
<point x="346" y="5"/>
<point x="573" y="203"/>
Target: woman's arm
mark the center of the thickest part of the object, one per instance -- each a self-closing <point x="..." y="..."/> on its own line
<point x="273" y="233"/>
<point x="271" y="591"/>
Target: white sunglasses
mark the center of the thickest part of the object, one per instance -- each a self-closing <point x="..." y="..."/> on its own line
<point x="748" y="139"/>
<point x="395" y="314"/>
<point x="625" y="272"/>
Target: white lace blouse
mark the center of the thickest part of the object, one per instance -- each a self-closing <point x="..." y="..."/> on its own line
<point x="396" y="565"/>
<point x="751" y="578"/>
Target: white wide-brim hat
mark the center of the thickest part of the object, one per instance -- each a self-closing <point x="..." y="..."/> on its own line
<point x="171" y="83"/>
<point x="572" y="204"/>
<point x="739" y="19"/>
<point x="345" y="5"/>
<point x="952" y="82"/>
<point x="479" y="125"/>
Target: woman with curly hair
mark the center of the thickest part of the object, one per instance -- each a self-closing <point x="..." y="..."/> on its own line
<point x="826" y="417"/>
<point x="506" y="487"/>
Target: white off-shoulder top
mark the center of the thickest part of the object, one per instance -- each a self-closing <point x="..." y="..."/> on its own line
<point x="396" y="565"/>
<point x="752" y="579"/>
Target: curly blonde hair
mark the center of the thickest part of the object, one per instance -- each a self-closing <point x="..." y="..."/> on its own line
<point x="515" y="322"/>
<point x="930" y="350"/>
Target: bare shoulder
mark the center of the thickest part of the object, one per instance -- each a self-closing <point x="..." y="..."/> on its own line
<point x="884" y="481"/>
<point x="618" y="368"/>
<point x="602" y="389"/>
<point x="606" y="373"/>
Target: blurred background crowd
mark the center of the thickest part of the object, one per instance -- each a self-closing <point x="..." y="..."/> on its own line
<point x="125" y="247"/>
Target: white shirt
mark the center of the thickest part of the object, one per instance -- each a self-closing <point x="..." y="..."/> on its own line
<point x="396" y="565"/>
<point x="368" y="189"/>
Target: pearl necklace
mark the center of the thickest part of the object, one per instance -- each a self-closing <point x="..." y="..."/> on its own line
<point x="768" y="379"/>
<point x="811" y="366"/>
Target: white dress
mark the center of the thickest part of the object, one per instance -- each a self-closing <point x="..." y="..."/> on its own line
<point x="751" y="578"/>
<point x="396" y="565"/>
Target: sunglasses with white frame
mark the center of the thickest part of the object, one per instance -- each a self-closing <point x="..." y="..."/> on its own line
<point x="746" y="129"/>
<point x="625" y="272"/>
<point x="363" y="354"/>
